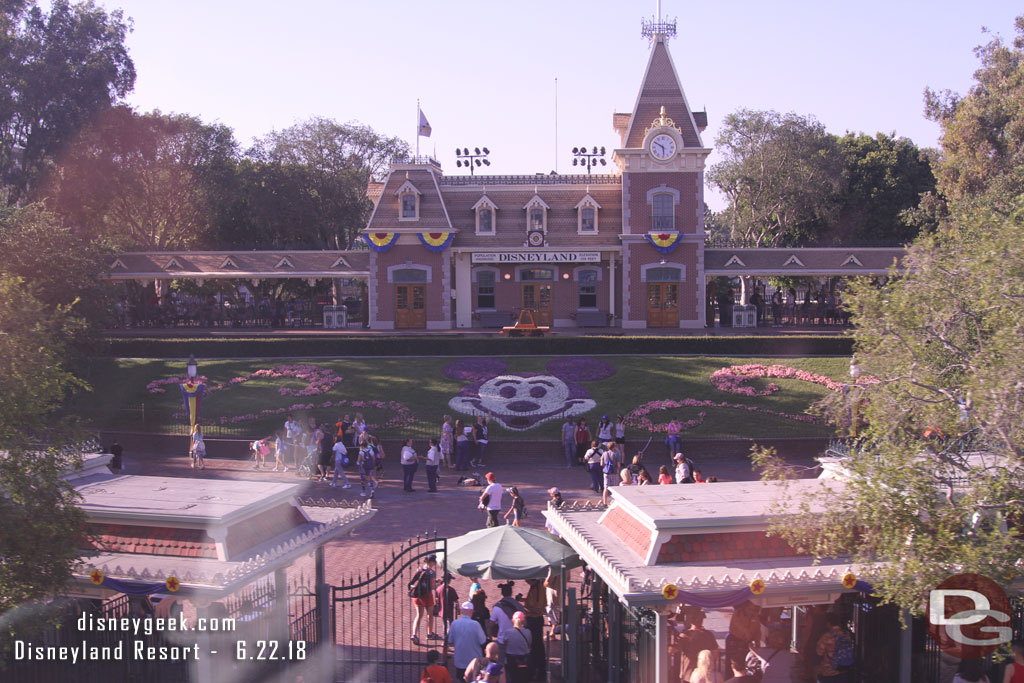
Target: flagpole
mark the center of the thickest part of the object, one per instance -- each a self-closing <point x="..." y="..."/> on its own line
<point x="417" y="127"/>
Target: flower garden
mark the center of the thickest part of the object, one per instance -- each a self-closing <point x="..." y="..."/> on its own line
<point x="527" y="397"/>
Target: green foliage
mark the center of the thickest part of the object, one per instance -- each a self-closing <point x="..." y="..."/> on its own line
<point x="983" y="131"/>
<point x="57" y="71"/>
<point x="144" y="181"/>
<point x="944" y="342"/>
<point x="412" y="345"/>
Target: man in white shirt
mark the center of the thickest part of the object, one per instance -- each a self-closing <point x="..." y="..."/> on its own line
<point x="291" y="435"/>
<point x="339" y="463"/>
<point x="490" y="499"/>
<point x="569" y="441"/>
<point x="467" y="637"/>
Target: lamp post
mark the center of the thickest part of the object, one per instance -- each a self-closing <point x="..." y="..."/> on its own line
<point x="192" y="368"/>
<point x="471" y="161"/>
<point x="588" y="159"/>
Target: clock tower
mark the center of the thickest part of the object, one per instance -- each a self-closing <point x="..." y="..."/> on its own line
<point x="661" y="159"/>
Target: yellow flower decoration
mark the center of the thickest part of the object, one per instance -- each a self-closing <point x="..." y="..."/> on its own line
<point x="757" y="586"/>
<point x="172" y="583"/>
<point x="670" y="592"/>
<point x="849" y="580"/>
<point x="96" y="576"/>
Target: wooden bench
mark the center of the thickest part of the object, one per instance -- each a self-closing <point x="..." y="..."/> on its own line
<point x="591" y="319"/>
<point x="495" y="318"/>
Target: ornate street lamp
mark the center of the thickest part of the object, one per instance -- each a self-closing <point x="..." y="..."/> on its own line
<point x="588" y="159"/>
<point x="192" y="368"/>
<point x="471" y="161"/>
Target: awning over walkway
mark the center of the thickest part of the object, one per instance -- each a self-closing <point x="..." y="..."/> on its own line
<point x="246" y="265"/>
<point x="801" y="262"/>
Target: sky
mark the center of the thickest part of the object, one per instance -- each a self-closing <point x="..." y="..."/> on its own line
<point x="485" y="72"/>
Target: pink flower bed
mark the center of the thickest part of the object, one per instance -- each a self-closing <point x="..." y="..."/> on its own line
<point x="638" y="417"/>
<point x="734" y="379"/>
<point x="318" y="380"/>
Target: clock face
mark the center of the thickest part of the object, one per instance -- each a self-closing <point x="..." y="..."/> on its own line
<point x="535" y="238"/>
<point x="663" y="147"/>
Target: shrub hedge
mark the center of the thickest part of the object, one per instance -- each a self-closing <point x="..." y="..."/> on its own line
<point x="312" y="346"/>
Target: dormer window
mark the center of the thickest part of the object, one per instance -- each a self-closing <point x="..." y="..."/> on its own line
<point x="536" y="215"/>
<point x="586" y="219"/>
<point x="485" y="216"/>
<point x="408" y="202"/>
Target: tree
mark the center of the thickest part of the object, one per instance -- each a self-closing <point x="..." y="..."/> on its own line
<point x="57" y="71"/>
<point x="147" y="181"/>
<point x="983" y="132"/>
<point x="36" y="559"/>
<point x="779" y="174"/>
<point x="305" y="186"/>
<point x="883" y="178"/>
<point x="940" y="345"/>
<point x="64" y="269"/>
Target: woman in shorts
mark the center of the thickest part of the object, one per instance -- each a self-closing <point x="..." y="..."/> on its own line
<point x="424" y="602"/>
<point x="367" y="463"/>
<point x="198" y="448"/>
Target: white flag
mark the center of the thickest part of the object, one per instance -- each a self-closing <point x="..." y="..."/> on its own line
<point x="424" y="125"/>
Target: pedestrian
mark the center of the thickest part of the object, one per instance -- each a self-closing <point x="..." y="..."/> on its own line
<point x="490" y="499"/>
<point x="198" y="448"/>
<point x="518" y="508"/>
<point x="478" y="667"/>
<point x="664" y="477"/>
<point x="461" y="447"/>
<point x="582" y="438"/>
<point x="378" y="454"/>
<point x="684" y="469"/>
<point x="480" y="440"/>
<point x="605" y="430"/>
<point x="481" y="614"/>
<point x="340" y="460"/>
<point x="447" y="441"/>
<point x="116" y="450"/>
<point x="259" y="453"/>
<point x="706" y="670"/>
<point x="320" y="434"/>
<point x="367" y="464"/>
<point x="342" y="429"/>
<point x="694" y="640"/>
<point x="446" y="601"/>
<point x="836" y="648"/>
<point x="611" y="463"/>
<point x="502" y="613"/>
<point x="592" y="458"/>
<point x="433" y="462"/>
<point x="279" y="452"/>
<point x="569" y="441"/>
<point x="467" y="639"/>
<point x="674" y="440"/>
<point x="556" y="501"/>
<point x="410" y="463"/>
<point x="972" y="671"/>
<point x="434" y="672"/>
<point x="421" y="590"/>
<point x="1015" y="669"/>
<point x="620" y="431"/>
<point x="536" y="603"/>
<point x="291" y="438"/>
<point x="327" y="453"/>
<point x="518" y="641"/>
<point x="626" y="477"/>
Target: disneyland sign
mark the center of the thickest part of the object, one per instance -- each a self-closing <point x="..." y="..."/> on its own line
<point x="537" y="257"/>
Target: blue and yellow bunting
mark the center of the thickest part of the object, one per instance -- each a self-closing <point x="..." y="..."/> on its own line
<point x="192" y="394"/>
<point x="381" y="241"/>
<point x="664" y="242"/>
<point x="436" y="241"/>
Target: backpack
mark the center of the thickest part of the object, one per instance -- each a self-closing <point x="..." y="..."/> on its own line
<point x="609" y="464"/>
<point x="842" y="652"/>
<point x="420" y="584"/>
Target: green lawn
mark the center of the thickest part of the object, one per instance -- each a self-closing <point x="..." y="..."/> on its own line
<point x="120" y="399"/>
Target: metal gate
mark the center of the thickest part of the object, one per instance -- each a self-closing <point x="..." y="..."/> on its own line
<point x="373" y="614"/>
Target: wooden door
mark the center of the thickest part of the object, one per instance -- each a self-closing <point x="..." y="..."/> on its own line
<point x="537" y="297"/>
<point x="662" y="304"/>
<point x="410" y="306"/>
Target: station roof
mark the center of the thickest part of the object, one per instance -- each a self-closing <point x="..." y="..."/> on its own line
<point x="244" y="265"/>
<point x="801" y="261"/>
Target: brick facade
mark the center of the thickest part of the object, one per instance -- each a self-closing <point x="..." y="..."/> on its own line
<point x="747" y="545"/>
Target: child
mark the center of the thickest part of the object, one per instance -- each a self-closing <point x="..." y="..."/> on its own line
<point x="278" y="449"/>
<point x="518" y="508"/>
<point x="663" y="475"/>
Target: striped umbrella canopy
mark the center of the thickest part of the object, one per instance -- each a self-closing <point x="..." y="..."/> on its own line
<point x="509" y="552"/>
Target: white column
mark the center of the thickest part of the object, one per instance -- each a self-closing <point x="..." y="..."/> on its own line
<point x="611" y="286"/>
<point x="463" y="291"/>
<point x="662" y="630"/>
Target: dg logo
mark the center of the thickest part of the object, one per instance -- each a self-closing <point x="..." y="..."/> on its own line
<point x="969" y="616"/>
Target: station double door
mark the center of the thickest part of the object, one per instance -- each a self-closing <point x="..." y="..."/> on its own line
<point x="410" y="307"/>
<point x="537" y="297"/>
<point x="663" y="304"/>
